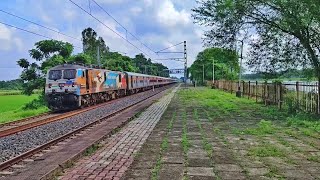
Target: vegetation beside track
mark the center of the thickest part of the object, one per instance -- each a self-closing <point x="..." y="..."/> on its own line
<point x="14" y="107"/>
<point x="228" y="104"/>
<point x="264" y="134"/>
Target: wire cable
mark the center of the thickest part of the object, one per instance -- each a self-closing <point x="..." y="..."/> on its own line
<point x="169" y="47"/>
<point x="123" y="26"/>
<point x="31" y="32"/>
<point x="48" y="28"/>
<point x="108" y="27"/>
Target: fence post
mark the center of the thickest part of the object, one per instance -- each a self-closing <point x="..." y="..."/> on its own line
<point x="256" y="91"/>
<point x="265" y="93"/>
<point x="249" y="90"/>
<point x="318" y="97"/>
<point x="297" y="91"/>
<point x="275" y="92"/>
<point x="243" y="93"/>
<point x="280" y="95"/>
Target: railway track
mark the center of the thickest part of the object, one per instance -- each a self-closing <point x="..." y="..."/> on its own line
<point x="8" y="163"/>
<point x="34" y="121"/>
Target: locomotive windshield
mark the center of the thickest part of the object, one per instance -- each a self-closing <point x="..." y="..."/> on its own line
<point x="55" y="74"/>
<point x="69" y="74"/>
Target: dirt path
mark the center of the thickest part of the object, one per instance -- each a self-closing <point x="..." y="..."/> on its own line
<point x="208" y="134"/>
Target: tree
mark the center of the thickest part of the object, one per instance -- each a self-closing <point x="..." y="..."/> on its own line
<point x="287" y="31"/>
<point x="47" y="54"/>
<point x="91" y="42"/>
<point x="225" y="62"/>
<point x="116" y="62"/>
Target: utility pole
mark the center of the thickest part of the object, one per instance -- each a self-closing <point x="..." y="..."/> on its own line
<point x="185" y="63"/>
<point x="145" y="69"/>
<point x="238" y="93"/>
<point x="98" y="55"/>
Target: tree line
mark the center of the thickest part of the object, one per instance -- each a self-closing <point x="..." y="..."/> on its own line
<point x="49" y="53"/>
<point x="225" y="62"/>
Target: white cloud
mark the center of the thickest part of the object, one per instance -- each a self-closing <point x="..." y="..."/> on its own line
<point x="169" y="16"/>
<point x="136" y="10"/>
<point x="5" y="32"/>
<point x="7" y="39"/>
<point x="109" y="1"/>
<point x="148" y="2"/>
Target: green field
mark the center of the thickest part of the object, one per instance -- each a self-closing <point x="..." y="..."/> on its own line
<point x="11" y="107"/>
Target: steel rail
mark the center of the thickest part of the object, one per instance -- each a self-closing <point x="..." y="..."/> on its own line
<point x="18" y="128"/>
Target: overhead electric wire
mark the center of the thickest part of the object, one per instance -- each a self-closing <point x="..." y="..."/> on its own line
<point x="108" y="27"/>
<point x="169" y="47"/>
<point x="172" y="59"/>
<point x="122" y="26"/>
<point x="31" y="32"/>
<point x="48" y="28"/>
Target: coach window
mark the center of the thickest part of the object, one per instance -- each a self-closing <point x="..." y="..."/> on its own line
<point x="119" y="77"/>
<point x="105" y="75"/>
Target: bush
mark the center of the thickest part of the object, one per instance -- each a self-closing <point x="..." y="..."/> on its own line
<point x="36" y="103"/>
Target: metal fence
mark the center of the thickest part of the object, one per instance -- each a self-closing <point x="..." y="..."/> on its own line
<point x="293" y="96"/>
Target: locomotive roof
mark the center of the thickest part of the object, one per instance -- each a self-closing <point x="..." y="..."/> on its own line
<point x="68" y="66"/>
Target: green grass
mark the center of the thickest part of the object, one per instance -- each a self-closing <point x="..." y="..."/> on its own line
<point x="11" y="107"/>
<point x="184" y="140"/>
<point x="314" y="158"/>
<point x="227" y="105"/>
<point x="266" y="150"/>
<point x="92" y="149"/>
<point x="15" y="92"/>
<point x="264" y="127"/>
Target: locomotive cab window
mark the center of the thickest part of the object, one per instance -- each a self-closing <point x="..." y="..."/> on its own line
<point x="69" y="74"/>
<point x="55" y="74"/>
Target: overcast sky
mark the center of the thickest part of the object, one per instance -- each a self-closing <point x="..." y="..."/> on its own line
<point x="157" y="23"/>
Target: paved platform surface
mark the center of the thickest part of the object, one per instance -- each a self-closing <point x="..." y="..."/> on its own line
<point x="200" y="137"/>
<point x="117" y="153"/>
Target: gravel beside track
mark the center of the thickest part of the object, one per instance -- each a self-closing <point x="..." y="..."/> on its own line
<point x="28" y="120"/>
<point x="16" y="144"/>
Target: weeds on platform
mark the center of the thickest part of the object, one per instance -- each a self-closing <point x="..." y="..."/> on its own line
<point x="92" y="149"/>
<point x="266" y="150"/>
<point x="205" y="144"/>
<point x="163" y="148"/>
<point x="264" y="127"/>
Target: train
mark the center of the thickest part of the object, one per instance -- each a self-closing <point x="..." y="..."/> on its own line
<point x="72" y="86"/>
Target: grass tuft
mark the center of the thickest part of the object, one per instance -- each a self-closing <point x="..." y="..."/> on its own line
<point x="264" y="127"/>
<point x="266" y="150"/>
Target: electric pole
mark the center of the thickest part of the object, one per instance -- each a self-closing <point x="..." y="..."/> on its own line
<point x="238" y="93"/>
